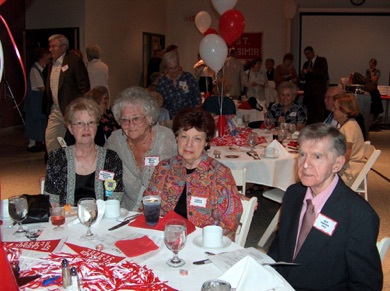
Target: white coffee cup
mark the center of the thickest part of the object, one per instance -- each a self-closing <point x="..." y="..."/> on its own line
<point x="239" y="120"/>
<point x="271" y="152"/>
<point x="4" y="208"/>
<point x="212" y="236"/>
<point x="113" y="209"/>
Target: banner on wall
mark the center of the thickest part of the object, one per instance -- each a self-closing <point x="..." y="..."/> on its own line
<point x="249" y="45"/>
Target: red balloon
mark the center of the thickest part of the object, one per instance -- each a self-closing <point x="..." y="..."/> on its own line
<point x="231" y="25"/>
<point x="210" y="31"/>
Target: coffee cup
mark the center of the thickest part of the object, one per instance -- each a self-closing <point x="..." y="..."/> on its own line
<point x="151" y="209"/>
<point x="216" y="285"/>
<point x="113" y="209"/>
<point x="271" y="152"/>
<point x="212" y="236"/>
<point x="239" y="120"/>
<point x="4" y="209"/>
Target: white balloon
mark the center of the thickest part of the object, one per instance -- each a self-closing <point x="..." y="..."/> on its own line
<point x="202" y="21"/>
<point x="223" y="5"/>
<point x="213" y="51"/>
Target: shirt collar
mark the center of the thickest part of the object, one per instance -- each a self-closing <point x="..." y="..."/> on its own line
<point x="320" y="200"/>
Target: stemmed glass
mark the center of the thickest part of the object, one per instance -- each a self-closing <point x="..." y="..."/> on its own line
<point x="175" y="236"/>
<point x="268" y="122"/>
<point x="18" y="209"/>
<point x="291" y="128"/>
<point x="252" y="140"/>
<point x="87" y="212"/>
<point x="57" y="217"/>
<point x="245" y="119"/>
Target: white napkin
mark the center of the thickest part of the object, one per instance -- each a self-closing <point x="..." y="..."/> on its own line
<point x="247" y="274"/>
<point x="282" y="152"/>
<point x="101" y="205"/>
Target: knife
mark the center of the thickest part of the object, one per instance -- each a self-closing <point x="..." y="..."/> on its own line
<point x="202" y="262"/>
<point x="127" y="221"/>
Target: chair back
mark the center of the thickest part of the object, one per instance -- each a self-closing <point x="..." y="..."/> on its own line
<point x="240" y="179"/>
<point x="383" y="247"/>
<point x="360" y="183"/>
<point x="248" y="206"/>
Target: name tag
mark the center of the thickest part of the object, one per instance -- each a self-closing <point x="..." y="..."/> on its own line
<point x="151" y="161"/>
<point x="64" y="68"/>
<point x="198" y="201"/>
<point x="325" y="224"/>
<point x="293" y="114"/>
<point x="105" y="175"/>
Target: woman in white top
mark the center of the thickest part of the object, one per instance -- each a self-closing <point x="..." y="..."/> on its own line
<point x="256" y="82"/>
<point x="345" y="109"/>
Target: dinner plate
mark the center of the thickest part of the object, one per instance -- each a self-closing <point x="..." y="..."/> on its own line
<point x="124" y="213"/>
<point x="232" y="156"/>
<point x="198" y="242"/>
<point x="267" y="157"/>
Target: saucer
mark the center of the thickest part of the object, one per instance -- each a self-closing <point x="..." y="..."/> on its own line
<point x="268" y="157"/>
<point x="232" y="156"/>
<point x="198" y="242"/>
<point x="124" y="213"/>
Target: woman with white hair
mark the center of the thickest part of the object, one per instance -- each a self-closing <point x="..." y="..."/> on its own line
<point x="179" y="89"/>
<point x="141" y="144"/>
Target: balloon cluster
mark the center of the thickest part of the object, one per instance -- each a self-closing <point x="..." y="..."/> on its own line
<point x="213" y="47"/>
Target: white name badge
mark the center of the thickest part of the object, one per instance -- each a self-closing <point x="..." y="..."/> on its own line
<point x="151" y="161"/>
<point x="65" y="68"/>
<point x="104" y="175"/>
<point x="325" y="224"/>
<point x="293" y="114"/>
<point x="198" y="201"/>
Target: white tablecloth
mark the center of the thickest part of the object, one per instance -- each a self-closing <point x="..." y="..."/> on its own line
<point x="197" y="274"/>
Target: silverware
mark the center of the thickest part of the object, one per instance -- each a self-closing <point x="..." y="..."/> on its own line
<point x="125" y="222"/>
<point x="33" y="234"/>
<point x="202" y="262"/>
<point x="12" y="224"/>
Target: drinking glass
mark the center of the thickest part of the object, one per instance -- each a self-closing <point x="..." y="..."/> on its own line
<point x="57" y="217"/>
<point x="291" y="128"/>
<point x="252" y="140"/>
<point x="87" y="212"/>
<point x="175" y="236"/>
<point x="18" y="209"/>
<point x="245" y="119"/>
<point x="268" y="122"/>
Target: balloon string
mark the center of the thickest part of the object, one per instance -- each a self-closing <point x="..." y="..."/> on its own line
<point x="222" y="87"/>
<point x="19" y="58"/>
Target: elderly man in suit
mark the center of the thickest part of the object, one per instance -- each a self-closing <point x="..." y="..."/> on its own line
<point x="67" y="79"/>
<point x="326" y="228"/>
<point x="316" y="77"/>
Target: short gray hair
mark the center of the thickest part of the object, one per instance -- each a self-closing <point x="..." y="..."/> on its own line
<point x="287" y="85"/>
<point x="136" y="96"/>
<point x="169" y="58"/>
<point x="321" y="131"/>
<point x="93" y="52"/>
<point x="62" y="39"/>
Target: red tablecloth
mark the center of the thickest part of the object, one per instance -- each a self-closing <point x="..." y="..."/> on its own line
<point x="241" y="139"/>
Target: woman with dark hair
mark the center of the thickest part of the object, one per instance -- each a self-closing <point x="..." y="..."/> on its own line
<point x="256" y="82"/>
<point x="194" y="185"/>
<point x="372" y="73"/>
<point x="286" y="72"/>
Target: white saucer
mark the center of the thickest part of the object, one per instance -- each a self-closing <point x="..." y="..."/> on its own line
<point x="124" y="213"/>
<point x="267" y="157"/>
<point x="198" y="242"/>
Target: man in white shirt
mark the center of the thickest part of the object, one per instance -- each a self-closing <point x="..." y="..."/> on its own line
<point x="97" y="70"/>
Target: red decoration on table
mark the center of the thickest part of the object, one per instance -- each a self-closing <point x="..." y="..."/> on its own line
<point x="7" y="275"/>
<point x="239" y="140"/>
<point x="88" y="253"/>
<point x="40" y="246"/>
<point x="140" y="222"/>
<point x="136" y="247"/>
<point x="222" y="126"/>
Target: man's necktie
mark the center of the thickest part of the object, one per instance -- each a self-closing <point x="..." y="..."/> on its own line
<point x="311" y="64"/>
<point x="307" y="223"/>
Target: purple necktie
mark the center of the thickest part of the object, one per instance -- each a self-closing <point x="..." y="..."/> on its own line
<point x="307" y="223"/>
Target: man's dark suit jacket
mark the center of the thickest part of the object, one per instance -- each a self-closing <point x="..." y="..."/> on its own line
<point x="347" y="260"/>
<point x="73" y="82"/>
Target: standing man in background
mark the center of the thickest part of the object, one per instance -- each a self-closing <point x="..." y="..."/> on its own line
<point x="233" y="71"/>
<point x="316" y="77"/>
<point x="67" y="80"/>
<point x="97" y="70"/>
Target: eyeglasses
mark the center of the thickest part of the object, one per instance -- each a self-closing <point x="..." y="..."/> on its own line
<point x="136" y="120"/>
<point x="81" y="124"/>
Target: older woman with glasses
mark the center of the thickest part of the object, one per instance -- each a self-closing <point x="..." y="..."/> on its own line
<point x="141" y="143"/>
<point x="83" y="169"/>
<point x="194" y="185"/>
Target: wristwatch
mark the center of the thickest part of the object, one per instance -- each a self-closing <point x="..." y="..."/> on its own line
<point x="357" y="2"/>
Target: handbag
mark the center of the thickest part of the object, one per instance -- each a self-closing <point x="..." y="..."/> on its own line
<point x="38" y="208"/>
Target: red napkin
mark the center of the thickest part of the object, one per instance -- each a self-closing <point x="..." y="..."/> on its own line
<point x="140" y="222"/>
<point x="136" y="247"/>
<point x="245" y="105"/>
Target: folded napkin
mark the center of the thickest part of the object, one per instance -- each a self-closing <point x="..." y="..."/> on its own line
<point x="140" y="222"/>
<point x="136" y="247"/>
<point x="282" y="152"/>
<point x="247" y="274"/>
<point x="101" y="206"/>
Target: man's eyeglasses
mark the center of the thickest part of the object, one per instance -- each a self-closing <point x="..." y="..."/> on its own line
<point x="84" y="124"/>
<point x="135" y="120"/>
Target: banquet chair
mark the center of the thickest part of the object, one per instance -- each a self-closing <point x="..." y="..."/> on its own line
<point x="371" y="155"/>
<point x="248" y="206"/>
<point x="240" y="179"/>
<point x="275" y="195"/>
<point x="383" y="247"/>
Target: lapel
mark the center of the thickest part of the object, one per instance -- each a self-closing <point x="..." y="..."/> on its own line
<point x="65" y="63"/>
<point x="316" y="239"/>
